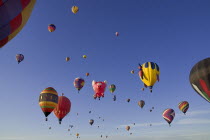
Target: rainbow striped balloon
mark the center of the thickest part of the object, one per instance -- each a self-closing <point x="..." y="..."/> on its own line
<point x="183" y="106"/>
<point x="79" y="83"/>
<point x="169" y="115"/>
<point x="48" y="100"/>
<point x="13" y="16"/>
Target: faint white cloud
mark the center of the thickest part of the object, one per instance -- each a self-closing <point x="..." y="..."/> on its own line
<point x="193" y="121"/>
<point x="194" y="113"/>
<point x="12" y="138"/>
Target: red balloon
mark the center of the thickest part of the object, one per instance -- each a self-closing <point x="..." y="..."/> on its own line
<point x="63" y="108"/>
<point x="99" y="89"/>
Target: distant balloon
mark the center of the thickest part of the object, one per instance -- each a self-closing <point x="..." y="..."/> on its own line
<point x="149" y="73"/>
<point x="152" y="107"/>
<point x="77" y="135"/>
<point x="112" y="88"/>
<point x="132" y="72"/>
<point x="91" y="122"/>
<point x="19" y="58"/>
<point x="127" y="128"/>
<point x="99" y="89"/>
<point x="87" y="74"/>
<point x="51" y="27"/>
<point x="14" y="16"/>
<point x="49" y="127"/>
<point x="84" y="56"/>
<point x="200" y="78"/>
<point x="67" y="59"/>
<point x="117" y="33"/>
<point x="63" y="108"/>
<point x="48" y="100"/>
<point x="89" y="111"/>
<point x="114" y="98"/>
<point x="183" y="106"/>
<point x="150" y="110"/>
<point x="128" y="100"/>
<point x="74" y="9"/>
<point x="169" y="115"/>
<point x="141" y="103"/>
<point x="68" y="129"/>
<point x="79" y="83"/>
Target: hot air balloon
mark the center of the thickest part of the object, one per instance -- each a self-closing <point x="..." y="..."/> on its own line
<point x="48" y="100"/>
<point x="169" y="115"/>
<point x="63" y="108"/>
<point x="49" y="127"/>
<point x="19" y="58"/>
<point x="77" y="135"/>
<point x="141" y="103"/>
<point x="89" y="112"/>
<point x="152" y="107"/>
<point x="68" y="129"/>
<point x="51" y="27"/>
<point x="74" y="9"/>
<point x="14" y="15"/>
<point x="200" y="78"/>
<point x="132" y="72"/>
<point x="101" y="136"/>
<point x="71" y="126"/>
<point x="67" y="59"/>
<point x="114" y="98"/>
<point x="128" y="100"/>
<point x="130" y="133"/>
<point x="150" y="110"/>
<point x="99" y="89"/>
<point x="127" y="128"/>
<point x="84" y="56"/>
<point x="91" y="122"/>
<point x="149" y="73"/>
<point x="98" y="126"/>
<point x="183" y="106"/>
<point x="87" y="74"/>
<point x="117" y="33"/>
<point x="112" y="88"/>
<point x="79" y="83"/>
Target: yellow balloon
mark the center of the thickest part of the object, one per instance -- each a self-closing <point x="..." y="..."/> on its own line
<point x="75" y="9"/>
<point x="67" y="59"/>
<point x="84" y="56"/>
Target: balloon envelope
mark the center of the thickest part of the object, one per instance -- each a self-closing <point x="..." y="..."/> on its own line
<point x="14" y="14"/>
<point x="51" y="27"/>
<point x="19" y="58"/>
<point x="168" y="115"/>
<point x="74" y="9"/>
<point x="48" y="100"/>
<point x="200" y="78"/>
<point x="112" y="88"/>
<point x="141" y="103"/>
<point x="79" y="83"/>
<point x="183" y="106"/>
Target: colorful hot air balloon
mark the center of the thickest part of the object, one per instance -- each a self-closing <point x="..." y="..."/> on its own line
<point x="112" y="88"/>
<point x="67" y="59"/>
<point x="48" y="100"/>
<point x="74" y="9"/>
<point x="149" y="73"/>
<point x="200" y="78"/>
<point x="87" y="74"/>
<point x="99" y="89"/>
<point x="77" y="135"/>
<point x="14" y="14"/>
<point x="132" y="72"/>
<point x="127" y="128"/>
<point x="141" y="103"/>
<point x="117" y="33"/>
<point x="84" y="56"/>
<point x="19" y="58"/>
<point x="169" y="115"/>
<point x="128" y="100"/>
<point x="79" y="83"/>
<point x="51" y="27"/>
<point x="183" y="106"/>
<point x="63" y="108"/>
<point x="91" y="122"/>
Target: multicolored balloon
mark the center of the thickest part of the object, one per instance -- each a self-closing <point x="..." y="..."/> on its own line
<point x="132" y="72"/>
<point x="183" y="106"/>
<point x="112" y="88"/>
<point x="87" y="74"/>
<point x="74" y="9"/>
<point x="149" y="73"/>
<point x="14" y="15"/>
<point x="127" y="128"/>
<point x="141" y="103"/>
<point x="200" y="78"/>
<point x="117" y="33"/>
<point x="51" y="27"/>
<point x="168" y="115"/>
<point x="48" y="100"/>
<point x="79" y="83"/>
<point x="63" y="108"/>
<point x="91" y="122"/>
<point x="128" y="100"/>
<point x="19" y="58"/>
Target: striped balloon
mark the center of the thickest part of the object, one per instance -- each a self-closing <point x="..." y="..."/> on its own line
<point x="112" y="88"/>
<point x="183" y="106"/>
<point x="48" y="100"/>
<point x="19" y="58"/>
<point x="168" y="115"/>
<point x="51" y="28"/>
<point x="79" y="83"/>
<point x="13" y="16"/>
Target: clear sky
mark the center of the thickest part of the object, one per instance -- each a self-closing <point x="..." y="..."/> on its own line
<point x="173" y="33"/>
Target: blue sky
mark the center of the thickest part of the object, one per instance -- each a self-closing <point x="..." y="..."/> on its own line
<point x="174" y="34"/>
